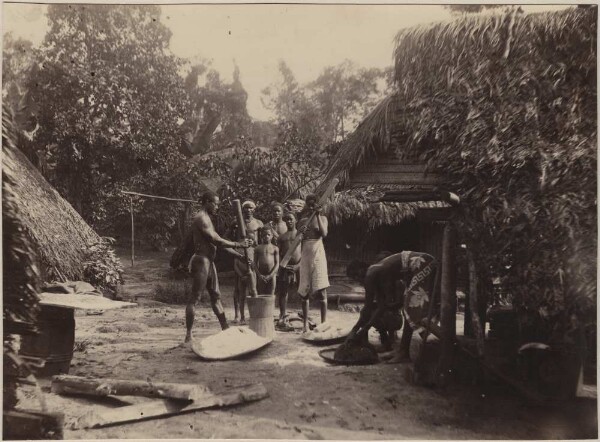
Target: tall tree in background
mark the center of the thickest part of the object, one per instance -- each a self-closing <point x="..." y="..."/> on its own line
<point x="216" y="107"/>
<point x="291" y="102"/>
<point x="343" y="95"/>
<point x="330" y="106"/>
<point x="110" y="101"/>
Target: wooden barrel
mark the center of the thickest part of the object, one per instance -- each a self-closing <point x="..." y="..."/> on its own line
<point x="55" y="340"/>
<point x="261" y="315"/>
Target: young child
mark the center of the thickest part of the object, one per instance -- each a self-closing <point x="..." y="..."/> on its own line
<point x="287" y="279"/>
<point x="266" y="262"/>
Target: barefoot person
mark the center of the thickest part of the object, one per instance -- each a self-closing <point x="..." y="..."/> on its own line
<point x="382" y="282"/>
<point x="267" y="262"/>
<point x="244" y="277"/>
<point x="314" y="279"/>
<point x="287" y="278"/>
<point x="204" y="272"/>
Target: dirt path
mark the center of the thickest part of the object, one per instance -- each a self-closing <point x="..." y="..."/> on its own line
<point x="308" y="399"/>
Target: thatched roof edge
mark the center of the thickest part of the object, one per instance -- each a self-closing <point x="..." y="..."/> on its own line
<point x="59" y="235"/>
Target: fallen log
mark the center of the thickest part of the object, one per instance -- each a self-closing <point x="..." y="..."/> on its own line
<point x="166" y="407"/>
<point x="65" y="384"/>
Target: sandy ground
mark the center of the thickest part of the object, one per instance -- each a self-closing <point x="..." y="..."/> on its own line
<point x="308" y="398"/>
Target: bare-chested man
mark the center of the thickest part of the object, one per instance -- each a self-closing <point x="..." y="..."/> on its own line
<point x="287" y="278"/>
<point x="277" y="223"/>
<point x="204" y="272"/>
<point x="244" y="279"/>
<point x="267" y="262"/>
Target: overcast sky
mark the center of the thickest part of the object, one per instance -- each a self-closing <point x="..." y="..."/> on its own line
<point x="307" y="37"/>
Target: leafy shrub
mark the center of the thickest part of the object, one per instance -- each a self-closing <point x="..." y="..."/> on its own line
<point x="102" y="268"/>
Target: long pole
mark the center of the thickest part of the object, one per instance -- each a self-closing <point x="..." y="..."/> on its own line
<point x="132" y="231"/>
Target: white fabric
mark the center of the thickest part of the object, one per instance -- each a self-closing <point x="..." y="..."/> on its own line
<point x="313" y="268"/>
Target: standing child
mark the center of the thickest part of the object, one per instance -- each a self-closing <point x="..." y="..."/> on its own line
<point x="266" y="262"/>
<point x="287" y="278"/>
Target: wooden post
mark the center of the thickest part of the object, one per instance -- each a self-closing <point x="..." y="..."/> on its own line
<point x="474" y="304"/>
<point x="132" y="231"/>
<point x="448" y="304"/>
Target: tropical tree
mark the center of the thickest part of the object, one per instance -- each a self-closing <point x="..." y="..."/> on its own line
<point x="331" y="105"/>
<point x="111" y="102"/>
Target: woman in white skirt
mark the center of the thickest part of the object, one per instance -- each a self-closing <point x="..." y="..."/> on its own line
<point x="314" y="279"/>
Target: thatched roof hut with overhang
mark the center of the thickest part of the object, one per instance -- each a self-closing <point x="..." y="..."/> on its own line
<point x="502" y="110"/>
<point x="368" y="167"/>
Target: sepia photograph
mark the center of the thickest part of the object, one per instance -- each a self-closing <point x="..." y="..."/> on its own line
<point x="339" y="221"/>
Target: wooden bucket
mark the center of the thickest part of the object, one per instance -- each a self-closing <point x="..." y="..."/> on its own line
<point x="261" y="315"/>
<point x="55" y="340"/>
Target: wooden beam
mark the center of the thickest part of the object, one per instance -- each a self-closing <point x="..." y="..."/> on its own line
<point x="166" y="407"/>
<point x="66" y="384"/>
<point x="132" y="231"/>
<point x="448" y="303"/>
<point x="475" y="320"/>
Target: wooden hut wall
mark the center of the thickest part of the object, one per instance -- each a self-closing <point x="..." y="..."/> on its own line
<point x="390" y="170"/>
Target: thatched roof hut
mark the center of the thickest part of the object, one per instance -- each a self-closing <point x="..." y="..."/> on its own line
<point x="368" y="166"/>
<point x="58" y="234"/>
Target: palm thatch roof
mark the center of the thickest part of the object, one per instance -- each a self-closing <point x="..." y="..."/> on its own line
<point x="376" y="136"/>
<point x="452" y="78"/>
<point x="59" y="236"/>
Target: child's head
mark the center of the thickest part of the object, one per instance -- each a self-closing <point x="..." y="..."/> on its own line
<point x="290" y="220"/>
<point x="265" y="234"/>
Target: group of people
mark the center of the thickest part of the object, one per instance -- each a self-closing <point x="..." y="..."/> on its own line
<point x="395" y="284"/>
<point x="257" y="258"/>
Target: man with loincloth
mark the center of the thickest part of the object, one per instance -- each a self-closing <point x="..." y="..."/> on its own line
<point x="202" y="266"/>
<point x="244" y="279"/>
<point x="314" y="279"/>
<point x="414" y="271"/>
<point x="287" y="279"/>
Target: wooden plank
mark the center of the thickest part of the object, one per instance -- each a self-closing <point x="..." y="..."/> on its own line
<point x="389" y="167"/>
<point x="394" y="178"/>
<point x="86" y="302"/>
<point x="166" y="407"/>
<point x="66" y="384"/>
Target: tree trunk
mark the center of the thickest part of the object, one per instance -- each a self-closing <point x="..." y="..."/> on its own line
<point x="66" y="384"/>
